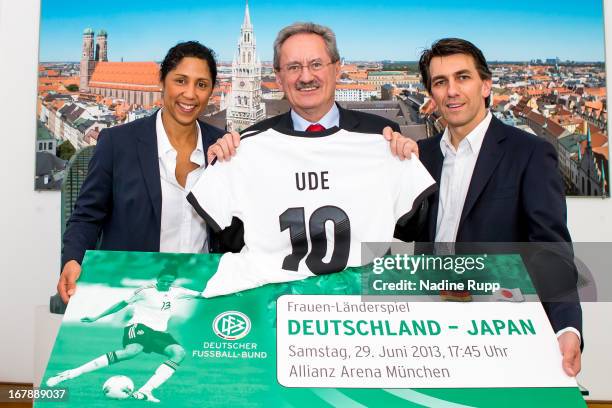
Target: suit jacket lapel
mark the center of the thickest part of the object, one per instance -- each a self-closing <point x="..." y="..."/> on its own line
<point x="348" y="120"/>
<point x="208" y="139"/>
<point x="488" y="159"/>
<point x="433" y="161"/>
<point x="285" y="122"/>
<point x="149" y="163"/>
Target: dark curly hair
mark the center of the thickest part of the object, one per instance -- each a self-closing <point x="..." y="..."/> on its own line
<point x="188" y="49"/>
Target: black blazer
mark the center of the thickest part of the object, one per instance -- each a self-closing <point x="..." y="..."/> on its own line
<point x="120" y="200"/>
<point x="515" y="196"/>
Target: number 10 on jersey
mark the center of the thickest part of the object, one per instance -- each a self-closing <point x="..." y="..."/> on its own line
<point x="294" y="219"/>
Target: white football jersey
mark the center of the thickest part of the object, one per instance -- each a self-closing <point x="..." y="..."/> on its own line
<point x="307" y="202"/>
<point x="153" y="308"/>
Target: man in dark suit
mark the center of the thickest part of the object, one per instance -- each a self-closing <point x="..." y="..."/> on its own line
<point x="307" y="67"/>
<point x="496" y="182"/>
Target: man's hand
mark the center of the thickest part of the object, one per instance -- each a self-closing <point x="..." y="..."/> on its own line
<point x="569" y="345"/>
<point x="88" y="319"/>
<point x="402" y="147"/>
<point x="67" y="281"/>
<point x="224" y="148"/>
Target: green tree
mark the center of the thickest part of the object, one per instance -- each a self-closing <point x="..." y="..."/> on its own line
<point x="72" y="88"/>
<point x="65" y="151"/>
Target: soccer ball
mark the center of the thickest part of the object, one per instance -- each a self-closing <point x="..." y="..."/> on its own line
<point x="118" y="387"/>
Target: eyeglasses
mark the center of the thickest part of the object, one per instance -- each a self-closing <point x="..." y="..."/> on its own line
<point x="313" y="66"/>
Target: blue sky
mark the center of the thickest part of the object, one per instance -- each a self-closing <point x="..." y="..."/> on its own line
<point x="396" y="30"/>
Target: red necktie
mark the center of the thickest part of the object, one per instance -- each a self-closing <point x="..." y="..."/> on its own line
<point x="315" y="128"/>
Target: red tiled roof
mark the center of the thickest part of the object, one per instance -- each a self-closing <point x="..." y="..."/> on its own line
<point x="358" y="75"/>
<point x="553" y="127"/>
<point x="224" y="86"/>
<point x="602" y="150"/>
<point x="601" y="92"/>
<point x="594" y="105"/>
<point x="536" y="92"/>
<point x="567" y="120"/>
<point x="137" y="76"/>
<point x="558" y="89"/>
<point x="561" y="111"/>
<point x="47" y="88"/>
<point x="57" y="84"/>
<point x="59" y="80"/>
<point x="536" y="117"/>
<point x="271" y="85"/>
<point x="597" y="140"/>
<point x="500" y="98"/>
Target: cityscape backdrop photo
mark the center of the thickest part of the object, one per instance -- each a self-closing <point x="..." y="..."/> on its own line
<point x="99" y="67"/>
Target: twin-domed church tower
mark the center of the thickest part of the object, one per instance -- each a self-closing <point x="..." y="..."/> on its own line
<point x="245" y="106"/>
<point x="93" y="52"/>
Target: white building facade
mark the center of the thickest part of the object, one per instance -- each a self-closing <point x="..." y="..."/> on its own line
<point x="245" y="106"/>
<point x="356" y="93"/>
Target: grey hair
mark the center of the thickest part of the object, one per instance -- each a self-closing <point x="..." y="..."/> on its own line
<point x="306" y="28"/>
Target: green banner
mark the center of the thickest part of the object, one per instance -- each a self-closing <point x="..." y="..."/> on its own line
<point x="223" y="350"/>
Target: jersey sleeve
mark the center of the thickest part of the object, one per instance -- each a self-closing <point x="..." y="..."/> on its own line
<point x="136" y="296"/>
<point x="414" y="185"/>
<point x="184" y="293"/>
<point x="211" y="196"/>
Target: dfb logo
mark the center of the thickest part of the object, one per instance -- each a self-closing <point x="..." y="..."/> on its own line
<point x="231" y="325"/>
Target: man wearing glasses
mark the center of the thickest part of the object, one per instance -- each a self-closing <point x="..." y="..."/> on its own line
<point x="307" y="66"/>
<point x="296" y="191"/>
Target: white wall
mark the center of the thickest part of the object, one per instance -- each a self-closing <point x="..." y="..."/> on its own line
<point x="30" y="221"/>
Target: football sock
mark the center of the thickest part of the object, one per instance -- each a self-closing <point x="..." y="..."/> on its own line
<point x="93" y="365"/>
<point x="112" y="358"/>
<point x="163" y="372"/>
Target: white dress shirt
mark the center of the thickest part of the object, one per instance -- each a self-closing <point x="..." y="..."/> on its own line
<point x="182" y="229"/>
<point x="329" y="120"/>
<point x="457" y="171"/>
